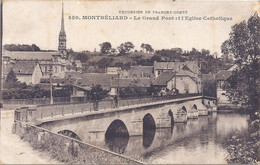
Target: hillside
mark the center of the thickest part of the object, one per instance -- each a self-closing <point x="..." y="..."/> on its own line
<point x="97" y="62"/>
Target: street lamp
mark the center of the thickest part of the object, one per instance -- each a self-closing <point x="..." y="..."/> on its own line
<point x="50" y="72"/>
<point x="118" y="75"/>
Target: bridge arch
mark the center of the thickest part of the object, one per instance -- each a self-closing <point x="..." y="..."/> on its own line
<point x="148" y="130"/>
<point x="117" y="136"/>
<point x="184" y="108"/>
<point x="70" y="134"/>
<point x="195" y="107"/>
<point x="117" y="128"/>
<point x="148" y="122"/>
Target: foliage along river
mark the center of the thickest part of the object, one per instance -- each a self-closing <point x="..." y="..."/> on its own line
<point x="199" y="141"/>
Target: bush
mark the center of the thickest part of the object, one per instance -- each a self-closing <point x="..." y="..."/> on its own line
<point x="246" y="150"/>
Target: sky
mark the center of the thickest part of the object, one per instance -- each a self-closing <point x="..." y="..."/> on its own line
<point x="39" y="22"/>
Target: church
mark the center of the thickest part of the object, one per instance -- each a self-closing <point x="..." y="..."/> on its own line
<point x="51" y="62"/>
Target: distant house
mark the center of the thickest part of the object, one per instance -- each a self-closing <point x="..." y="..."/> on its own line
<point x="46" y="59"/>
<point x="113" y="70"/>
<point x="140" y="72"/>
<point x="29" y="72"/>
<point x="78" y="65"/>
<point x="221" y="78"/>
<point x="72" y="74"/>
<point x="191" y="66"/>
<point x="141" y="84"/>
<point x="182" y="81"/>
<point x="87" y="80"/>
<point x="233" y="67"/>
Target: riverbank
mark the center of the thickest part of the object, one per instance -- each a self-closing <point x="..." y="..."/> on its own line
<point x="67" y="149"/>
<point x="13" y="150"/>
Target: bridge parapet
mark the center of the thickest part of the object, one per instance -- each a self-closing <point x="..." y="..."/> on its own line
<point x="36" y="113"/>
<point x="26" y="114"/>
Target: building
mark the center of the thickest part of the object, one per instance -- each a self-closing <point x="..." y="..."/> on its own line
<point x="28" y="72"/>
<point x="182" y="80"/>
<point x="49" y="61"/>
<point x="89" y="79"/>
<point x="137" y="72"/>
<point x="140" y="84"/>
<point x="191" y="66"/>
<point x="188" y="69"/>
<point x="113" y="70"/>
<point x="62" y="37"/>
<point x="221" y="78"/>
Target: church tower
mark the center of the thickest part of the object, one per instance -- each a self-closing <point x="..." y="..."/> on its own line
<point x="62" y="37"/>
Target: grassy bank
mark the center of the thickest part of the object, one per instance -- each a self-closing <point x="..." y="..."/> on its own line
<point x="66" y="149"/>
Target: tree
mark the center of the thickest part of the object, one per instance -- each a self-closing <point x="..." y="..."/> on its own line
<point x="125" y="48"/>
<point x="105" y="47"/>
<point x="147" y="48"/>
<point x="12" y="82"/>
<point x="143" y="46"/>
<point x="82" y="56"/>
<point x="104" y="62"/>
<point x="244" y="45"/>
<point x="97" y="94"/>
<point x="24" y="47"/>
<point x="35" y="48"/>
<point x="113" y="51"/>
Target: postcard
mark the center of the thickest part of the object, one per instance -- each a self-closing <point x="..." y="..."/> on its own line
<point x="130" y="82"/>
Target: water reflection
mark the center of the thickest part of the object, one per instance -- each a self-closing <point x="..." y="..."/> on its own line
<point x="117" y="136"/>
<point x="117" y="143"/>
<point x="199" y="140"/>
<point x="148" y="136"/>
<point x="148" y="130"/>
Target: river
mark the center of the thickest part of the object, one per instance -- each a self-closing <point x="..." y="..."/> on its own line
<point x="199" y="141"/>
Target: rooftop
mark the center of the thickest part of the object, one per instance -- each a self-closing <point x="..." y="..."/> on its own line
<point x="164" y="78"/>
<point x="208" y="77"/>
<point x="24" y="67"/>
<point x="174" y="65"/>
<point x="223" y="75"/>
<point x="31" y="55"/>
<point x="103" y="79"/>
<point x="129" y="82"/>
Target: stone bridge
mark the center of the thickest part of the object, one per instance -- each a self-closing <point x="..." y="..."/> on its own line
<point x="92" y="126"/>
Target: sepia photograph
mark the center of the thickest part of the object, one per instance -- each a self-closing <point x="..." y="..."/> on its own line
<point x="130" y="82"/>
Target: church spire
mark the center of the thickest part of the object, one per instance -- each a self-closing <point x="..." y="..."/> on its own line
<point x="62" y="20"/>
<point x="62" y="36"/>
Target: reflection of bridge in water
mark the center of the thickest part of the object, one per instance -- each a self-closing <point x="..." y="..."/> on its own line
<point x="131" y="120"/>
<point x="156" y="140"/>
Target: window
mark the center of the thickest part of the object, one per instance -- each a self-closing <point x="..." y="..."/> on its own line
<point x="46" y="69"/>
<point x="159" y="72"/>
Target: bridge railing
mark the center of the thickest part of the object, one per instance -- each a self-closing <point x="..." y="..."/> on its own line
<point x="55" y="110"/>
